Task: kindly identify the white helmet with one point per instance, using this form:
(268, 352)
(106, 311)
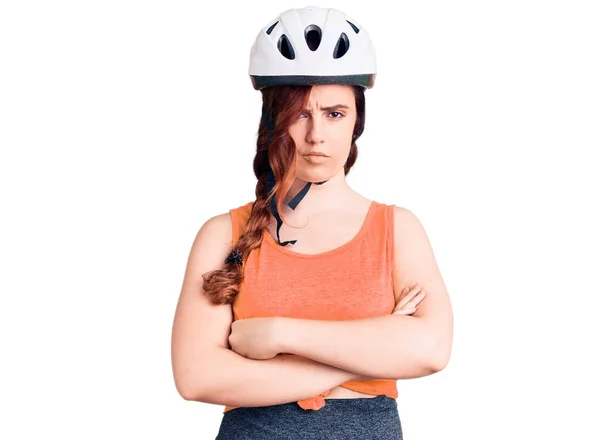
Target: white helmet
(312, 46)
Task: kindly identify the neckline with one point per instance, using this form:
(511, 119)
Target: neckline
(273, 243)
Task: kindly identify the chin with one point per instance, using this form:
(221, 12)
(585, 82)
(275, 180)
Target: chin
(318, 172)
(314, 176)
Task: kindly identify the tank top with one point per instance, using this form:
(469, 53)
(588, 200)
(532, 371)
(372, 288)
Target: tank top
(352, 281)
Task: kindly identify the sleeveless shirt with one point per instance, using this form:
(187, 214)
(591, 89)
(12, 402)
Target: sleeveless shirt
(352, 281)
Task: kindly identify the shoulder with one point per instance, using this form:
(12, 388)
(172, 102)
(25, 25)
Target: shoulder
(410, 236)
(225, 219)
(225, 227)
(414, 260)
(242, 211)
(218, 222)
(410, 240)
(239, 217)
(217, 230)
(405, 220)
(210, 247)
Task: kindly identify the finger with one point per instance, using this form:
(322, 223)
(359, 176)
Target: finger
(406, 311)
(416, 300)
(413, 302)
(405, 299)
(408, 289)
(408, 304)
(409, 295)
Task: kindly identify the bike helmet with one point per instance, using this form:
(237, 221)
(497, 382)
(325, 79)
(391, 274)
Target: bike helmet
(310, 46)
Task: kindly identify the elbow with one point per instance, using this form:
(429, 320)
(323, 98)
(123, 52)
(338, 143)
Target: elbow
(423, 357)
(427, 362)
(440, 355)
(193, 393)
(185, 382)
(204, 380)
(192, 386)
(437, 365)
(188, 393)
(185, 389)
(195, 378)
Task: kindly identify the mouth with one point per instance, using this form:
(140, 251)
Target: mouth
(315, 158)
(316, 155)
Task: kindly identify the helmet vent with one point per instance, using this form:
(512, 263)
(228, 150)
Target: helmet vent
(312, 34)
(285, 47)
(353, 27)
(341, 47)
(271, 28)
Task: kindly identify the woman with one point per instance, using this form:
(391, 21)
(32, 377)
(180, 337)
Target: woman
(302, 331)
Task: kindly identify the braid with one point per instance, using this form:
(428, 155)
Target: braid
(222, 285)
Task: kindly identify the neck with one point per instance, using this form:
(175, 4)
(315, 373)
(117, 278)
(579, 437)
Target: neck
(331, 195)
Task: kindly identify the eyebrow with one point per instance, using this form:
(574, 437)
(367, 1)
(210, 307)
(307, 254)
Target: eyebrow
(330, 108)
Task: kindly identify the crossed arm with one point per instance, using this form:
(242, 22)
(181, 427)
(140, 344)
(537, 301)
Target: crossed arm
(385, 347)
(322, 354)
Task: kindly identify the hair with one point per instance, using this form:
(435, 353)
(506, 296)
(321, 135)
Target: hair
(275, 151)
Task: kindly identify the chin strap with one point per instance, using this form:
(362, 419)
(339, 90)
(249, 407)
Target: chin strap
(292, 203)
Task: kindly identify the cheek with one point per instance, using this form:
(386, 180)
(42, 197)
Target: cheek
(344, 132)
(297, 133)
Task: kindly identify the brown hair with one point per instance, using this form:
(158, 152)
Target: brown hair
(276, 151)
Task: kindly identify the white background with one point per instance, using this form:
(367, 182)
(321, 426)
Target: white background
(124, 125)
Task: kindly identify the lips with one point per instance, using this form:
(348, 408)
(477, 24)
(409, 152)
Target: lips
(316, 154)
(315, 158)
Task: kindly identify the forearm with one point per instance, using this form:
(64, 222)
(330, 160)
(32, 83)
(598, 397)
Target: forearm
(237, 381)
(387, 347)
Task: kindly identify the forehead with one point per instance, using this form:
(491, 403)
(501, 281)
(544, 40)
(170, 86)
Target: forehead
(330, 94)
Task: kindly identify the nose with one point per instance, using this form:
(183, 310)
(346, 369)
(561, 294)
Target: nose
(314, 133)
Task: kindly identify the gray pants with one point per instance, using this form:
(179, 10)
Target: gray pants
(340, 419)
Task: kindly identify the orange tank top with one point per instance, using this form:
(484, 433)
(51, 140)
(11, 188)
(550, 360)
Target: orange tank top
(352, 281)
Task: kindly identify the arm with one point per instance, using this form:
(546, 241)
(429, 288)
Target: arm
(237, 381)
(361, 345)
(204, 367)
(394, 346)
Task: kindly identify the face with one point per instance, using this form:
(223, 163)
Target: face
(325, 127)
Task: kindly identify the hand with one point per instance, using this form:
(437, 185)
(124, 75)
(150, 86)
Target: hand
(409, 298)
(254, 338)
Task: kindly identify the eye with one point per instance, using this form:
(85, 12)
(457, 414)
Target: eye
(339, 115)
